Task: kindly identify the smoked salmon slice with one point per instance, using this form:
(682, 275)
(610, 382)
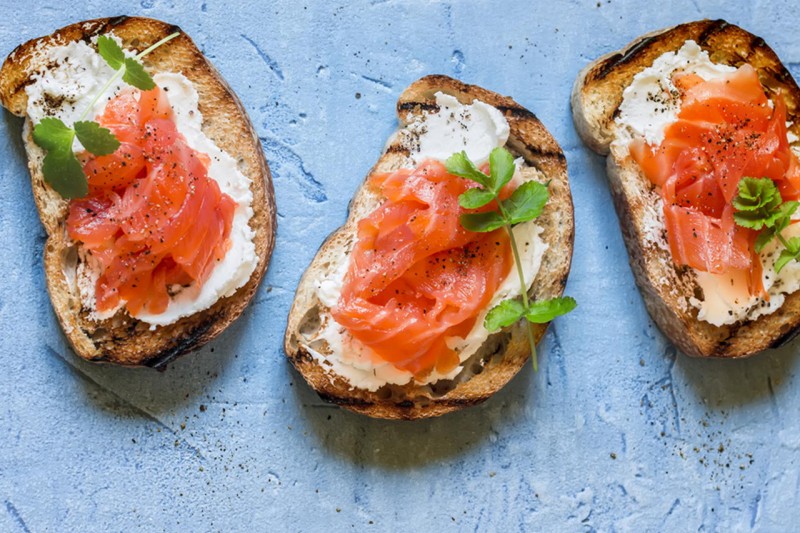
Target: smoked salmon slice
(153, 218)
(416, 276)
(726, 129)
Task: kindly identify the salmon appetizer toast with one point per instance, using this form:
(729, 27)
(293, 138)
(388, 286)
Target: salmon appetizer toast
(699, 123)
(452, 261)
(151, 185)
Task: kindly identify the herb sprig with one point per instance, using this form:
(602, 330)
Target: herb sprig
(61, 167)
(759, 206)
(525, 203)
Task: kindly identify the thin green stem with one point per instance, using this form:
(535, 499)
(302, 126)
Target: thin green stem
(165, 40)
(523, 288)
(782, 240)
(117, 75)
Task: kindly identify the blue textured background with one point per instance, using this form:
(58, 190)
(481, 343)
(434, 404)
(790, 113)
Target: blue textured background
(616, 431)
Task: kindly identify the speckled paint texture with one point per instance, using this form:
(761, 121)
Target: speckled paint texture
(616, 432)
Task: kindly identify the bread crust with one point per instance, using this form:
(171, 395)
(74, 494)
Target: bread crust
(596, 97)
(506, 351)
(121, 339)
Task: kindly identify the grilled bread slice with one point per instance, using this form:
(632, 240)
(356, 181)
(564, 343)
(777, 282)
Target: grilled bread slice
(596, 97)
(504, 352)
(122, 339)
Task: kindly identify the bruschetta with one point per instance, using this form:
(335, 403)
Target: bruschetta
(158, 244)
(388, 320)
(699, 125)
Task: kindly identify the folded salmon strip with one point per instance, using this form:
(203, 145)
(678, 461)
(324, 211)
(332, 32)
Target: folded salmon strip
(416, 276)
(153, 216)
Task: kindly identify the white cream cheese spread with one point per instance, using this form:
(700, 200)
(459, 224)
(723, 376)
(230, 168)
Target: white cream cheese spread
(476, 128)
(76, 72)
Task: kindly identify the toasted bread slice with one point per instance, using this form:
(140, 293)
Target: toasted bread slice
(122, 339)
(505, 352)
(596, 97)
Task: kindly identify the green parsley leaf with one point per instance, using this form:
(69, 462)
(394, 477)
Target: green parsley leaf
(96, 139)
(527, 202)
(792, 252)
(52, 134)
(787, 210)
(460, 165)
(781, 223)
(111, 52)
(64, 173)
(543, 311)
(475, 198)
(757, 204)
(764, 238)
(754, 193)
(136, 75)
(504, 314)
(793, 245)
(482, 222)
(501, 168)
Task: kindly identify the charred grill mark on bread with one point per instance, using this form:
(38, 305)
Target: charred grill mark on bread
(712, 27)
(417, 107)
(116, 21)
(621, 59)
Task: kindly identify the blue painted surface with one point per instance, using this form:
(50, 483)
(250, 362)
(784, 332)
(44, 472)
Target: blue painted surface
(616, 431)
